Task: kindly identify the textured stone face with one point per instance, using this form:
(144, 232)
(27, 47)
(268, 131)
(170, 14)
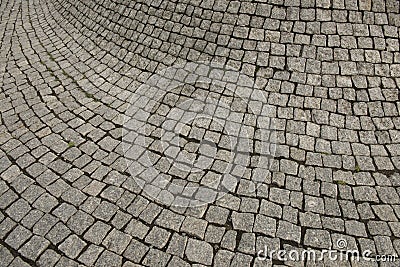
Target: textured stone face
(322, 81)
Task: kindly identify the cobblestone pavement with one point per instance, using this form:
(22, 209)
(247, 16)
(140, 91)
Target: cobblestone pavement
(330, 71)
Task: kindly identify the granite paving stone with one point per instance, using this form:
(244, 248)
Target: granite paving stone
(116, 241)
(34, 247)
(195, 133)
(72, 246)
(199, 251)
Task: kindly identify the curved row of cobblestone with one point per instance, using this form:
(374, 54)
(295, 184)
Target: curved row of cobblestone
(69, 69)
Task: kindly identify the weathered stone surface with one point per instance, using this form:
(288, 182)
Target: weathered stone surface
(118, 149)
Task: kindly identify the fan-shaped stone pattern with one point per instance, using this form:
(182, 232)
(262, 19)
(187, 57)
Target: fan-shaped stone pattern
(331, 73)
